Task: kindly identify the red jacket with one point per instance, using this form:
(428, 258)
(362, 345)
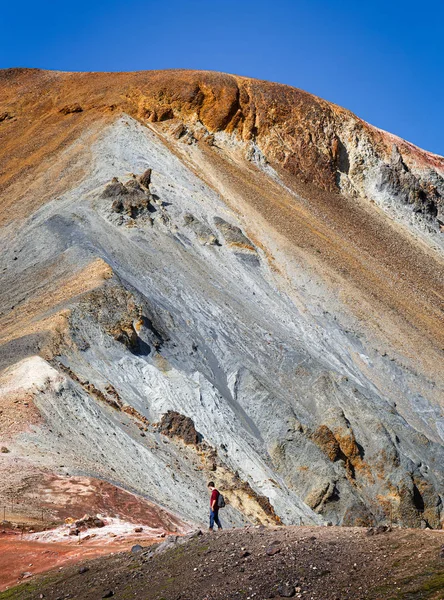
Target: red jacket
(214, 497)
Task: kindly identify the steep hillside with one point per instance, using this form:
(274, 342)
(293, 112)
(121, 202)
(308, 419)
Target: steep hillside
(207, 276)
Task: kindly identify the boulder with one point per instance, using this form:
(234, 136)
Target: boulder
(193, 535)
(173, 424)
(5, 523)
(89, 521)
(233, 235)
(145, 178)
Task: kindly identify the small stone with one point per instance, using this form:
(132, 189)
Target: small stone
(138, 529)
(272, 550)
(136, 549)
(178, 131)
(5, 116)
(71, 108)
(4, 450)
(286, 590)
(188, 219)
(108, 594)
(83, 570)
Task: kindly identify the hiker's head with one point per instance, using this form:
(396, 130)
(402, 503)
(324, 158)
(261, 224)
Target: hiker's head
(211, 485)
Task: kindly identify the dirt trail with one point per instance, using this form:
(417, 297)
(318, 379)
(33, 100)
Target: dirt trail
(301, 562)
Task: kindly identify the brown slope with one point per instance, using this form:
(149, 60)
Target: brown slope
(295, 129)
(298, 133)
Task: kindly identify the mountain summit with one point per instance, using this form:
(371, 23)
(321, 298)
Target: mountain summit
(207, 276)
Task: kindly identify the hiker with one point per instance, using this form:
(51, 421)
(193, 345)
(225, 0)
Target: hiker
(214, 506)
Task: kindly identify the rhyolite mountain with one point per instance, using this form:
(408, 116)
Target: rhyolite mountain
(209, 276)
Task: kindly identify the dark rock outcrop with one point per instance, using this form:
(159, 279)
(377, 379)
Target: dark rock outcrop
(132, 198)
(173, 424)
(397, 180)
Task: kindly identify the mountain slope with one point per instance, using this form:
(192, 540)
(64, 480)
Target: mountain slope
(237, 252)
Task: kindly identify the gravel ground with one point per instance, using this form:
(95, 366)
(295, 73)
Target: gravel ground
(303, 562)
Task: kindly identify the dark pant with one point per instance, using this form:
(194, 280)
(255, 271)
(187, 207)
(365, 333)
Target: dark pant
(214, 518)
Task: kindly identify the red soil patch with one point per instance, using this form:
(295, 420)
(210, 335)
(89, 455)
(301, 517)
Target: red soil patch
(72, 497)
(19, 556)
(75, 496)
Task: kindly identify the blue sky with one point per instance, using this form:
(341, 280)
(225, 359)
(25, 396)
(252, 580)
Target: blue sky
(384, 60)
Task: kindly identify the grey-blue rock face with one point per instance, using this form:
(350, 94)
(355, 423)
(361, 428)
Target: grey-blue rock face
(170, 334)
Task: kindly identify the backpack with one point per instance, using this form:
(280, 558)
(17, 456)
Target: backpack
(220, 501)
